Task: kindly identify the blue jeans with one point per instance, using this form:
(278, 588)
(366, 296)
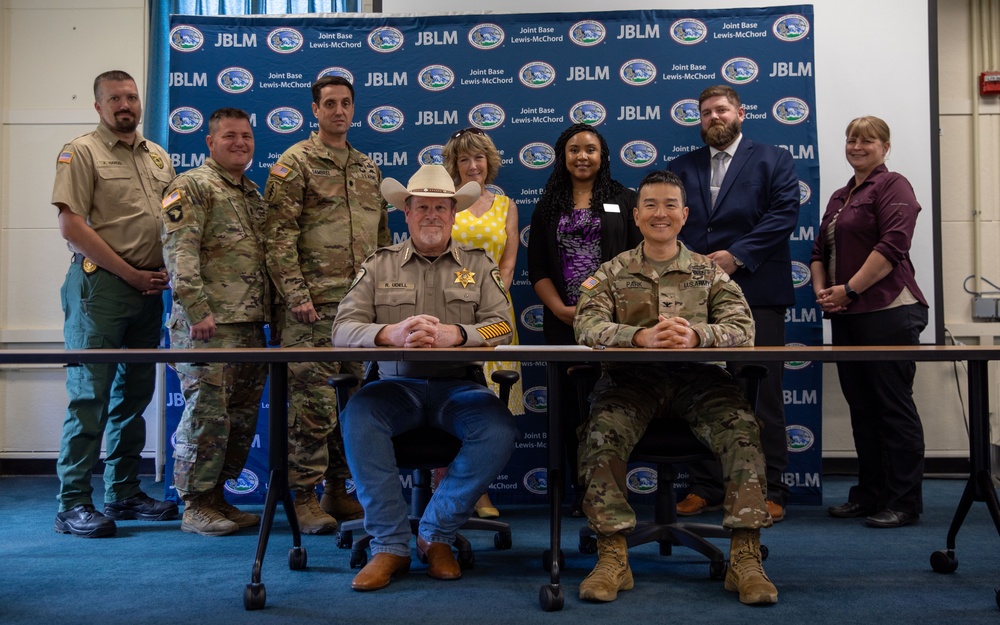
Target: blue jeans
(384, 408)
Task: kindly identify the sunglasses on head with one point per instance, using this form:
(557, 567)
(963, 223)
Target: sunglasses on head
(473, 130)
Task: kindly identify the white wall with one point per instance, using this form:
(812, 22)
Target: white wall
(50, 51)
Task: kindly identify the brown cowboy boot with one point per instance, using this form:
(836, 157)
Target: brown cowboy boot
(746, 573)
(612, 572)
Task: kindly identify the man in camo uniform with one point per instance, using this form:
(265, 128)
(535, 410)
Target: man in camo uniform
(325, 216)
(662, 295)
(212, 221)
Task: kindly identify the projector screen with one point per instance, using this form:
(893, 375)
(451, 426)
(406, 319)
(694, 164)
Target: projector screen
(871, 58)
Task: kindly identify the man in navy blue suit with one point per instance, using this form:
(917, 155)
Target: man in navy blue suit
(743, 198)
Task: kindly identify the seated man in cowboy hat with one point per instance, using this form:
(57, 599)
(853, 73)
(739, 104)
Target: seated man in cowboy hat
(425, 292)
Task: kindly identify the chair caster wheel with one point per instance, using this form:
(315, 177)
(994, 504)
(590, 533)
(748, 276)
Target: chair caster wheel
(502, 540)
(254, 597)
(359, 559)
(467, 560)
(588, 544)
(345, 540)
(717, 570)
(297, 558)
(944, 561)
(550, 597)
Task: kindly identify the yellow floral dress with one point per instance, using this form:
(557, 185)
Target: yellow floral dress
(489, 232)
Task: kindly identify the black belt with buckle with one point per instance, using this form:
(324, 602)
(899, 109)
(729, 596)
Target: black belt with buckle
(90, 266)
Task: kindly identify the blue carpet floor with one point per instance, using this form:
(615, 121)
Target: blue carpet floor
(826, 570)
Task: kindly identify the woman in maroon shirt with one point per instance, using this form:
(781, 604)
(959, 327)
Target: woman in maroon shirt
(864, 281)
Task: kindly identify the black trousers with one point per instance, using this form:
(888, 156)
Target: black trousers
(706, 476)
(888, 435)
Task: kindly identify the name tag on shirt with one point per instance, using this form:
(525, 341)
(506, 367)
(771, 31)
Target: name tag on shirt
(611, 208)
(396, 285)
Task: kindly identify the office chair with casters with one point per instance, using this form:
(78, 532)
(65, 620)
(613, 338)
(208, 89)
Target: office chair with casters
(423, 450)
(666, 443)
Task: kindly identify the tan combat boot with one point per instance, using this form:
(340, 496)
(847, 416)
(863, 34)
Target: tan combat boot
(338, 503)
(231, 512)
(201, 517)
(612, 572)
(746, 573)
(312, 520)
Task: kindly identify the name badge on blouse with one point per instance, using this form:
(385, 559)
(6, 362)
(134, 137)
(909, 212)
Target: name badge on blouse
(611, 208)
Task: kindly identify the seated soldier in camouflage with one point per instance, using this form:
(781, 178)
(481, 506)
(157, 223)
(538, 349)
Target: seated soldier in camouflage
(662, 295)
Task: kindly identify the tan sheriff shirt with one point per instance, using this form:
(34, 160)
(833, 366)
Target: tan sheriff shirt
(462, 286)
(117, 188)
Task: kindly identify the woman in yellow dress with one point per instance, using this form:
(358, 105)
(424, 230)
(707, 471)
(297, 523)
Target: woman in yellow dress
(490, 223)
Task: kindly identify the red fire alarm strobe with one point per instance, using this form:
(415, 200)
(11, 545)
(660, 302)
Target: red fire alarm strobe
(989, 83)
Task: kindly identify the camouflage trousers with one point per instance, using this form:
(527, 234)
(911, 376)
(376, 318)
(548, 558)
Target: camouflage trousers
(624, 402)
(221, 402)
(315, 444)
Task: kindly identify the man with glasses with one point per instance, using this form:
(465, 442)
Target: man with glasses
(325, 216)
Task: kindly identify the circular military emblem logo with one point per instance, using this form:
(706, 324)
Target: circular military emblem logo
(431, 155)
(186, 38)
(800, 274)
(805, 192)
(525, 233)
(791, 27)
(637, 72)
(537, 481)
(486, 116)
(799, 438)
(385, 119)
(587, 33)
(537, 74)
(486, 36)
(685, 112)
(740, 70)
(796, 364)
(531, 317)
(536, 399)
(495, 190)
(385, 39)
(588, 112)
(284, 40)
(536, 155)
(641, 480)
(638, 153)
(185, 120)
(284, 120)
(235, 80)
(436, 77)
(790, 111)
(245, 484)
(350, 485)
(337, 71)
(688, 31)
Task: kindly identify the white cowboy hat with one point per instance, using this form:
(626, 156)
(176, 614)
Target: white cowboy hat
(430, 181)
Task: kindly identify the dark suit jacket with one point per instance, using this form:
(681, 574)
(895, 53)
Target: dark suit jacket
(756, 212)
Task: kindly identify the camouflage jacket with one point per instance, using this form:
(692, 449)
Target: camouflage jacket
(626, 294)
(213, 248)
(324, 218)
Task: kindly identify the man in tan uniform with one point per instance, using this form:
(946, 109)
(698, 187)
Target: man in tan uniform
(108, 187)
(213, 216)
(425, 292)
(325, 216)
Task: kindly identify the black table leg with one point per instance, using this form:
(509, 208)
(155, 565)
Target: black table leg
(550, 596)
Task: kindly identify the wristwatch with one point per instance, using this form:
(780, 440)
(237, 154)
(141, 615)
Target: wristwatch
(851, 293)
(465, 336)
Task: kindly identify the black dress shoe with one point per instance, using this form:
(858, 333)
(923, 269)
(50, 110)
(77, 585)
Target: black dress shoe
(891, 518)
(142, 507)
(85, 521)
(849, 510)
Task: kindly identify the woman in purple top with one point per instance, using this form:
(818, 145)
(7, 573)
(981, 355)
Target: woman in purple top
(583, 218)
(864, 281)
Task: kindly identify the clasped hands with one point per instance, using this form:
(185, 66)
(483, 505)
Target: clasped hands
(668, 333)
(419, 331)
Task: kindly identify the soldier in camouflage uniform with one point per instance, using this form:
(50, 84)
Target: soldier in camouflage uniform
(325, 216)
(212, 221)
(662, 295)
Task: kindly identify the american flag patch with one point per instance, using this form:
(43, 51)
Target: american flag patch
(65, 157)
(173, 197)
(280, 170)
(590, 283)
(494, 330)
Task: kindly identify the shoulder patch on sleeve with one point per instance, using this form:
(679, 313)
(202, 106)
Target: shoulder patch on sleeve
(280, 170)
(357, 278)
(172, 206)
(590, 283)
(494, 330)
(495, 274)
(65, 156)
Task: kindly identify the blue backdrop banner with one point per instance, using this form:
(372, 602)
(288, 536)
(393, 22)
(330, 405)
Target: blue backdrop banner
(523, 78)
